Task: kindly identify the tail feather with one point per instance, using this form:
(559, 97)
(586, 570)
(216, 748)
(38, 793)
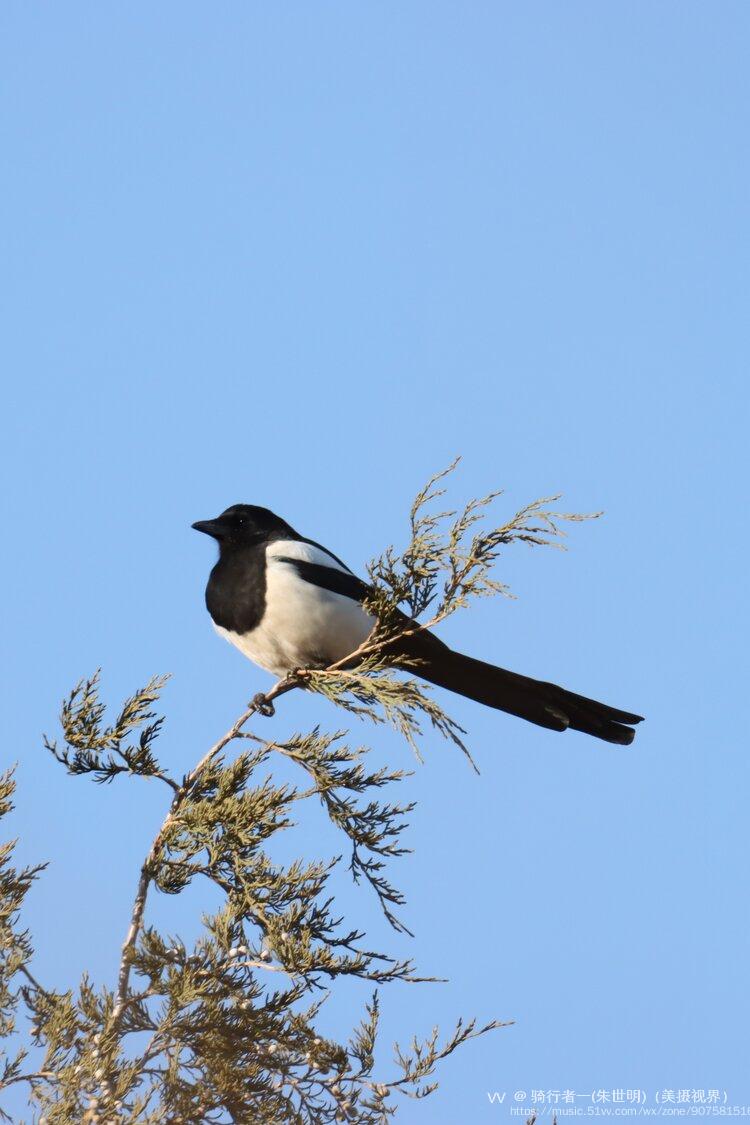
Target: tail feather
(538, 702)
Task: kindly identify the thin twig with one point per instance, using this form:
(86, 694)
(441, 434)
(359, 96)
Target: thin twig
(32, 980)
(37, 1077)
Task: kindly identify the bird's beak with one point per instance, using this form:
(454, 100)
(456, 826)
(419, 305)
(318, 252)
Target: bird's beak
(209, 527)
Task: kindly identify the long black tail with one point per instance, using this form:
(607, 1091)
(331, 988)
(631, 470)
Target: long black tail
(545, 704)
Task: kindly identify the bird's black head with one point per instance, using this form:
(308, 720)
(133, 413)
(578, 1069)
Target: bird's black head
(244, 525)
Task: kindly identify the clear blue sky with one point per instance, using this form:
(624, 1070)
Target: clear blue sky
(301, 255)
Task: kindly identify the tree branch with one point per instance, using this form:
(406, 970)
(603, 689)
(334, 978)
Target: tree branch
(281, 687)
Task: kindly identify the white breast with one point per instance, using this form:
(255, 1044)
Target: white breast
(303, 625)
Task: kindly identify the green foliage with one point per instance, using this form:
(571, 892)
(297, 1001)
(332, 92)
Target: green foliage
(103, 751)
(449, 557)
(15, 947)
(227, 1030)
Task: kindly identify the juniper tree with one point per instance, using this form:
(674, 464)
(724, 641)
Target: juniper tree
(226, 1029)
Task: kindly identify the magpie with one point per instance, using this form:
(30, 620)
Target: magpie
(286, 602)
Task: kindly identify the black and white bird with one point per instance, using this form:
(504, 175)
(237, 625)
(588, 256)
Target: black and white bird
(286, 602)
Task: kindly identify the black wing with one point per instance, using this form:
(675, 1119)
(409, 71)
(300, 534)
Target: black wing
(329, 578)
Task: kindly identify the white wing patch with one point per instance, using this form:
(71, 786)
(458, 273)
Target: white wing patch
(303, 625)
(307, 552)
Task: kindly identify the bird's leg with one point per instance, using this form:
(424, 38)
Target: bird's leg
(263, 705)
